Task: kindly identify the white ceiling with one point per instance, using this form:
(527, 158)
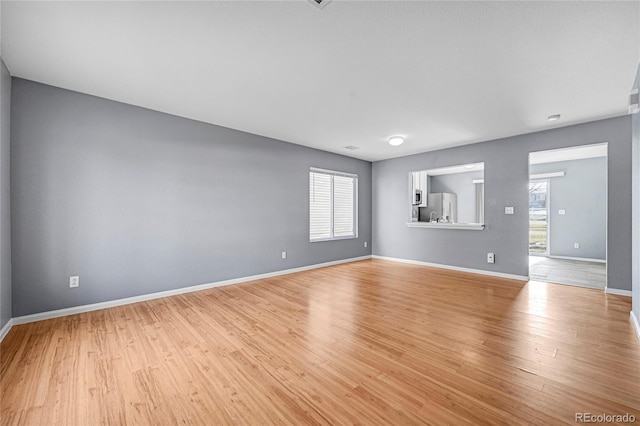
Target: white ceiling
(354, 73)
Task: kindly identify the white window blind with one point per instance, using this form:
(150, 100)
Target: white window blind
(332, 205)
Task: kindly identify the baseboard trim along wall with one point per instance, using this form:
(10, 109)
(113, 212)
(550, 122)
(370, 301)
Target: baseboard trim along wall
(6, 328)
(119, 302)
(635, 323)
(454, 268)
(109, 304)
(618, 292)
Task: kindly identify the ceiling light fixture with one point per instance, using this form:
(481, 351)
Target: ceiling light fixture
(554, 117)
(396, 140)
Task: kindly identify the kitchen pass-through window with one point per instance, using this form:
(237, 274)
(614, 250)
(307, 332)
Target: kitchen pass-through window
(333, 205)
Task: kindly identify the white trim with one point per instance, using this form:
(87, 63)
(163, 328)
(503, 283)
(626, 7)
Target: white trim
(5, 330)
(455, 169)
(583, 259)
(477, 181)
(546, 175)
(454, 268)
(348, 237)
(445, 225)
(111, 303)
(332, 172)
(618, 292)
(354, 179)
(576, 152)
(636, 323)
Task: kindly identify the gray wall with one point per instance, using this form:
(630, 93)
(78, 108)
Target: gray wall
(635, 230)
(462, 185)
(506, 184)
(135, 201)
(5, 210)
(582, 193)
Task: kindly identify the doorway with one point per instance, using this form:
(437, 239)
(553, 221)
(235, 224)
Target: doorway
(568, 216)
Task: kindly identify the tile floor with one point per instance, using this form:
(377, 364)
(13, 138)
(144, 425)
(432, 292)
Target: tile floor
(572, 272)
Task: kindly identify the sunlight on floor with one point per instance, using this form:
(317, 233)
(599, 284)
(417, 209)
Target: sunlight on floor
(537, 299)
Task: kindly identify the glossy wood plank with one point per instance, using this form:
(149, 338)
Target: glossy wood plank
(372, 342)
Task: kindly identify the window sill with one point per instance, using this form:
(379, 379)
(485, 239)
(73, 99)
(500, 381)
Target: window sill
(468, 226)
(317, 240)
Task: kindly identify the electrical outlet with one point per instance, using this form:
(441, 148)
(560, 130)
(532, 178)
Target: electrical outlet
(491, 258)
(74, 282)
(562, 212)
(365, 244)
(284, 254)
(508, 210)
(576, 245)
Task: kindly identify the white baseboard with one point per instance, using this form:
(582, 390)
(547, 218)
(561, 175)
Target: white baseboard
(581, 259)
(636, 323)
(6, 328)
(111, 303)
(618, 292)
(454, 268)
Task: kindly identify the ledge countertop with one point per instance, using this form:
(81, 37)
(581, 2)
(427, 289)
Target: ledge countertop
(440, 225)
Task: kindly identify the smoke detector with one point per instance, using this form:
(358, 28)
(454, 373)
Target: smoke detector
(320, 4)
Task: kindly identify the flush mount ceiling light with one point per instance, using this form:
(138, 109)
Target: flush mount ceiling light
(396, 140)
(554, 117)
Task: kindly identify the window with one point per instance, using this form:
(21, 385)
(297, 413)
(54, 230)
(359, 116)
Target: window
(333, 206)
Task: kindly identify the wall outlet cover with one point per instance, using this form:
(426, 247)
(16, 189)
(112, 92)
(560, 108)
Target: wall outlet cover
(562, 212)
(74, 282)
(508, 210)
(491, 258)
(284, 254)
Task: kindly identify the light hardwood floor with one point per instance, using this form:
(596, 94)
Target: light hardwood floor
(372, 342)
